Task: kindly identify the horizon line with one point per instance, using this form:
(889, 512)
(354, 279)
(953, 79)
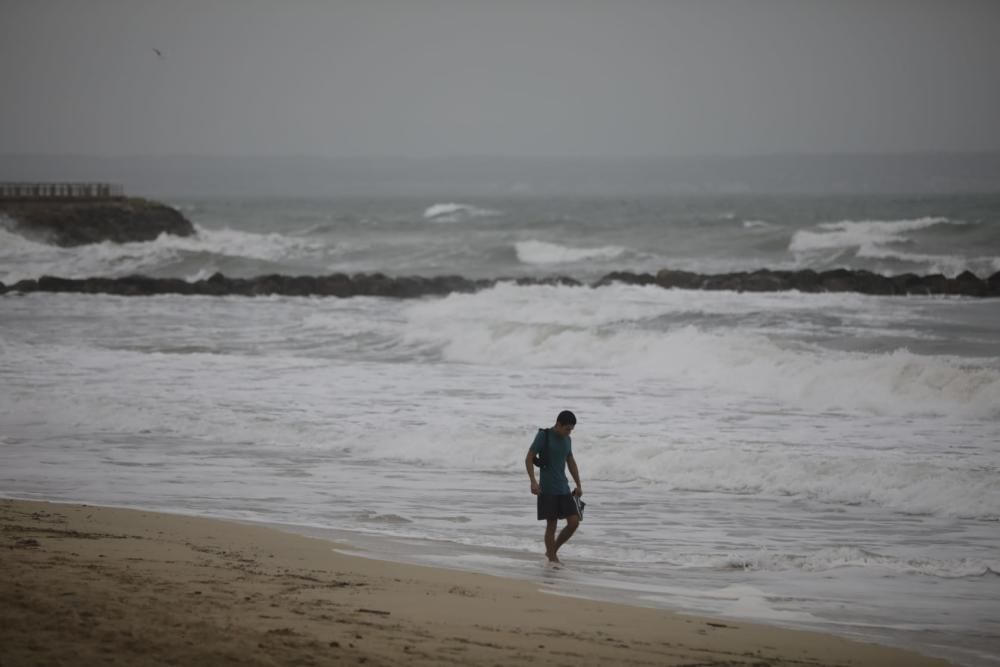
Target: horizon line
(495, 156)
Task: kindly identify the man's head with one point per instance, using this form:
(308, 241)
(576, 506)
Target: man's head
(565, 422)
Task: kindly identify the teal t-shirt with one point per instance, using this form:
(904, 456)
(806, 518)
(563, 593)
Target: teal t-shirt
(552, 478)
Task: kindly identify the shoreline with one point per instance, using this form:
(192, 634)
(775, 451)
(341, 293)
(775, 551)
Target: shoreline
(89, 583)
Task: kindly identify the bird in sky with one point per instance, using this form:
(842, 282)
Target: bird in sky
(159, 54)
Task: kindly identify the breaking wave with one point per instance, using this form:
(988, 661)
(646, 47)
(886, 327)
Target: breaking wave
(22, 258)
(865, 235)
(887, 241)
(567, 327)
(541, 252)
(454, 212)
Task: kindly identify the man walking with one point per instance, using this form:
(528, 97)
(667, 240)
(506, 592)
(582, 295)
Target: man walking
(555, 449)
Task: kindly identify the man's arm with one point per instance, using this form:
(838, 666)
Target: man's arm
(529, 463)
(575, 472)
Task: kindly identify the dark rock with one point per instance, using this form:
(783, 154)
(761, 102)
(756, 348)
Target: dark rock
(933, 284)
(993, 284)
(53, 284)
(407, 287)
(837, 280)
(447, 284)
(967, 283)
(24, 286)
(867, 282)
(549, 280)
(806, 280)
(905, 283)
(217, 285)
(138, 285)
(724, 281)
(680, 279)
(72, 223)
(766, 281)
(626, 277)
(337, 284)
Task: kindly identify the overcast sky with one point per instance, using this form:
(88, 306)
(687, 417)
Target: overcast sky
(504, 77)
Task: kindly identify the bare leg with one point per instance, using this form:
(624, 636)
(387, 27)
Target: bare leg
(550, 540)
(572, 522)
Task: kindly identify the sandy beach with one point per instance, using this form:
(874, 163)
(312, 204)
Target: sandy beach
(87, 585)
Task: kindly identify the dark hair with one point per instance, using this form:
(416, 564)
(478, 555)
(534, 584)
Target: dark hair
(566, 417)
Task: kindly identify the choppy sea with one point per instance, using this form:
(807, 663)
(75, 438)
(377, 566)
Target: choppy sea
(826, 461)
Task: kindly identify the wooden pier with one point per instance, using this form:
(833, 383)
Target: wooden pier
(60, 191)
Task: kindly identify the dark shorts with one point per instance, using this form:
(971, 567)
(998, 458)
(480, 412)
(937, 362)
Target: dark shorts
(556, 507)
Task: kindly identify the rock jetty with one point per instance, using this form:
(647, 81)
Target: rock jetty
(79, 222)
(378, 284)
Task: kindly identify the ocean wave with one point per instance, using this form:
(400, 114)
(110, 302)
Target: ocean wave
(455, 212)
(943, 264)
(935, 487)
(566, 327)
(541, 252)
(885, 241)
(861, 234)
(849, 475)
(22, 258)
(756, 224)
(316, 229)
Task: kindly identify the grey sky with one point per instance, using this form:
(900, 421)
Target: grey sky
(506, 77)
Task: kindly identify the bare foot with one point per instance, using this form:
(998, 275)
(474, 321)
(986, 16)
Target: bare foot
(552, 557)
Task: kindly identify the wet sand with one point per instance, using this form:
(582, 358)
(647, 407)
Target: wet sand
(85, 585)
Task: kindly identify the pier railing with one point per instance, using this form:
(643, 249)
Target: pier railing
(64, 191)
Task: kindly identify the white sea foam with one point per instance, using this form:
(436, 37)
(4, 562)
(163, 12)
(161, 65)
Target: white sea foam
(284, 407)
(882, 240)
(541, 252)
(832, 558)
(756, 224)
(21, 258)
(573, 328)
(455, 212)
(868, 477)
(862, 234)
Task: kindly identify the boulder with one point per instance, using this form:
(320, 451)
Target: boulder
(626, 277)
(993, 284)
(967, 283)
(806, 280)
(766, 281)
(935, 283)
(837, 280)
(681, 279)
(867, 282)
(905, 283)
(24, 286)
